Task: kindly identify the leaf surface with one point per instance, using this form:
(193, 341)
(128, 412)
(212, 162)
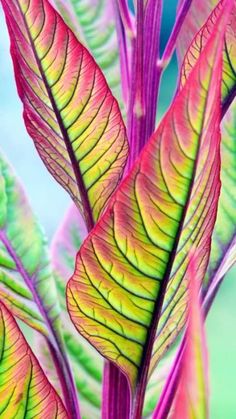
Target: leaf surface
(25, 391)
(172, 319)
(26, 282)
(225, 227)
(191, 399)
(86, 363)
(167, 202)
(69, 111)
(196, 17)
(94, 22)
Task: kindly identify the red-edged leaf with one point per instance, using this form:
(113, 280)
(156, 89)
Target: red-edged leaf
(69, 110)
(172, 319)
(191, 42)
(25, 391)
(142, 243)
(192, 393)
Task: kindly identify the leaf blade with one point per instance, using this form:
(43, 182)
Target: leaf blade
(192, 391)
(199, 31)
(97, 17)
(26, 282)
(25, 389)
(118, 268)
(69, 110)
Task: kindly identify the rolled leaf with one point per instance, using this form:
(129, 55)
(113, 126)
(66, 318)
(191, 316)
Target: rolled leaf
(25, 391)
(94, 22)
(26, 282)
(167, 202)
(191, 26)
(69, 110)
(191, 399)
(86, 363)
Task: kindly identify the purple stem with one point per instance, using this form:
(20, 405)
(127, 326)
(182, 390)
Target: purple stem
(145, 76)
(126, 17)
(167, 396)
(171, 44)
(56, 349)
(116, 394)
(123, 52)
(152, 74)
(136, 112)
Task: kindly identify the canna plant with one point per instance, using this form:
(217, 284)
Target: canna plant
(135, 265)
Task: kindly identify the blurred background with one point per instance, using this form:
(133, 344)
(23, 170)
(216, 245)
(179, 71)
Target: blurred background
(50, 202)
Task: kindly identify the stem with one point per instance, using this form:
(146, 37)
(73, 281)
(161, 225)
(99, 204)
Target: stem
(123, 52)
(171, 44)
(136, 110)
(152, 31)
(145, 76)
(115, 395)
(167, 396)
(65, 377)
(126, 17)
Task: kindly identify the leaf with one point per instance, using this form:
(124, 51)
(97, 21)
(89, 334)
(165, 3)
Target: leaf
(69, 110)
(172, 320)
(167, 202)
(96, 29)
(26, 282)
(25, 390)
(86, 363)
(223, 249)
(194, 50)
(225, 227)
(192, 391)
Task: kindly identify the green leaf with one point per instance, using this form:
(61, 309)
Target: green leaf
(86, 363)
(25, 391)
(27, 285)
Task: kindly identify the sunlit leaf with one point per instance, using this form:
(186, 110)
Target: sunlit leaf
(69, 110)
(86, 363)
(191, 399)
(96, 29)
(196, 17)
(173, 316)
(25, 391)
(26, 282)
(142, 242)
